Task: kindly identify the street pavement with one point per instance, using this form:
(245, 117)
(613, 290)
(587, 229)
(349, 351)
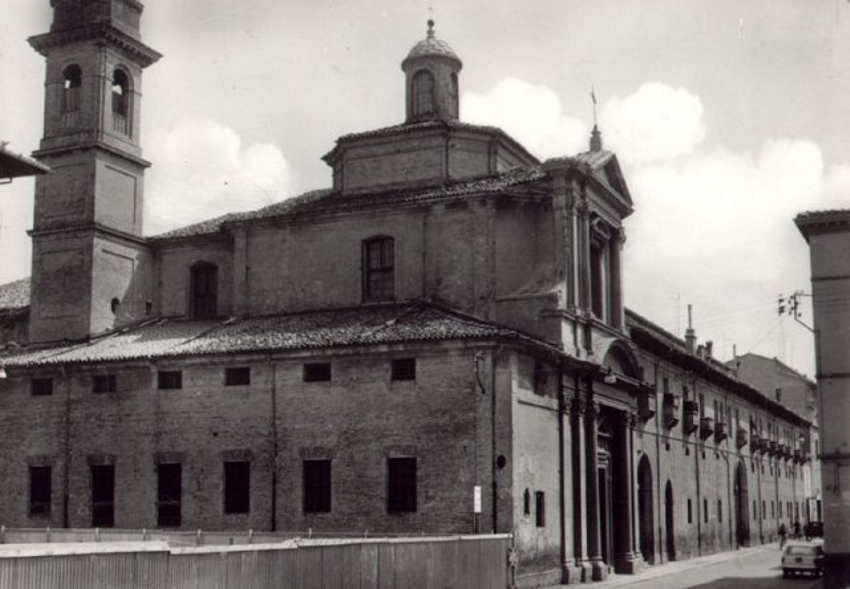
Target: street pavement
(749, 568)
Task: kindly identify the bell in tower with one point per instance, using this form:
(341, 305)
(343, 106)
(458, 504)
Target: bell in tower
(88, 248)
(431, 70)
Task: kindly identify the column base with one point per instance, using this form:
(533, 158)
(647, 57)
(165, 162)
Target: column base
(836, 571)
(598, 569)
(628, 563)
(574, 572)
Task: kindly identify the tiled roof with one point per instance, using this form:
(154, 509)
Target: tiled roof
(404, 128)
(15, 295)
(822, 221)
(430, 45)
(14, 165)
(326, 201)
(365, 325)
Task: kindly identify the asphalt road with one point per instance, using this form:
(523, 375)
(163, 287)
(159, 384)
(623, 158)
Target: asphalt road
(746, 569)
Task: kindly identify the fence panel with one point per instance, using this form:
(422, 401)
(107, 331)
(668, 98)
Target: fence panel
(386, 563)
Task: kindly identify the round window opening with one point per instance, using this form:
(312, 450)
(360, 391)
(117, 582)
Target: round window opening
(116, 303)
(501, 461)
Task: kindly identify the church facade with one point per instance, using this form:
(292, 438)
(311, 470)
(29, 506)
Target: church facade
(436, 343)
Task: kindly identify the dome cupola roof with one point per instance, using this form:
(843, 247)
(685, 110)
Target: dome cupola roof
(430, 46)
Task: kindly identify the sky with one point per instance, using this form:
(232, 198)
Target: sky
(728, 119)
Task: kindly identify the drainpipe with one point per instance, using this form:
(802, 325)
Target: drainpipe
(561, 467)
(493, 465)
(66, 484)
(696, 462)
(273, 392)
(658, 426)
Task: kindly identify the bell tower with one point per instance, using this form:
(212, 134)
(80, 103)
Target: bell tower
(89, 258)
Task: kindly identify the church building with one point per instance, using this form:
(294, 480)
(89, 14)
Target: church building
(436, 343)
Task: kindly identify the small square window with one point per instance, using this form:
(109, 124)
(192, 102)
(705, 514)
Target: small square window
(170, 379)
(104, 383)
(404, 369)
(42, 387)
(237, 376)
(317, 372)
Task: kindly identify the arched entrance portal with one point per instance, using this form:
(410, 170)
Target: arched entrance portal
(645, 516)
(669, 522)
(742, 513)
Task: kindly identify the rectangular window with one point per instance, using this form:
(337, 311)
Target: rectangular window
(720, 510)
(102, 496)
(690, 512)
(378, 269)
(104, 383)
(526, 502)
(401, 485)
(778, 394)
(705, 510)
(763, 509)
(169, 494)
(772, 509)
(317, 486)
(755, 508)
(237, 487)
(404, 369)
(237, 376)
(169, 379)
(317, 372)
(540, 509)
(42, 387)
(41, 485)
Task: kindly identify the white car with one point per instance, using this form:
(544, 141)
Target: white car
(802, 557)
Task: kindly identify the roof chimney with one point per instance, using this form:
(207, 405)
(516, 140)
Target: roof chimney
(690, 334)
(709, 352)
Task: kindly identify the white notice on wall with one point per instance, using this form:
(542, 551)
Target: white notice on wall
(476, 499)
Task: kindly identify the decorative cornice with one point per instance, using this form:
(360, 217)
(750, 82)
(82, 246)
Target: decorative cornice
(130, 47)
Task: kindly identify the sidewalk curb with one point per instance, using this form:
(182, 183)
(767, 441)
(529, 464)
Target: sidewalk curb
(678, 566)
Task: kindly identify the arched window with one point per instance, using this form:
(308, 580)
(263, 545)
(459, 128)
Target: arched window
(121, 101)
(378, 265)
(204, 291)
(423, 94)
(72, 80)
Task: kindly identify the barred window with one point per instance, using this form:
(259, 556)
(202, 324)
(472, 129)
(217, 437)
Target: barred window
(404, 369)
(105, 383)
(170, 379)
(317, 372)
(42, 387)
(237, 376)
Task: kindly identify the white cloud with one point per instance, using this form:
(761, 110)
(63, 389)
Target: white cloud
(530, 114)
(656, 122)
(202, 169)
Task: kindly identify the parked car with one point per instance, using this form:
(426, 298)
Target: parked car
(813, 530)
(802, 557)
